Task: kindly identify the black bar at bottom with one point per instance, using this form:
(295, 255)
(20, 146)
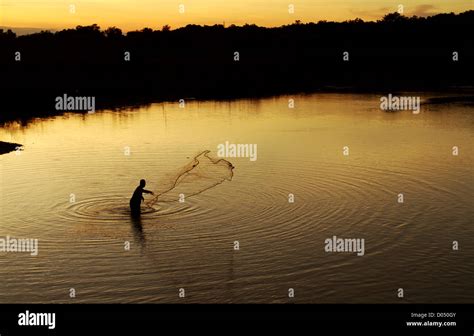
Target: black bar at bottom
(413, 319)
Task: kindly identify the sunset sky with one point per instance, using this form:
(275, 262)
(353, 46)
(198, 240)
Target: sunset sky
(133, 14)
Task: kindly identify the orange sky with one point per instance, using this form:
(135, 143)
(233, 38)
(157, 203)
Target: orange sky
(136, 14)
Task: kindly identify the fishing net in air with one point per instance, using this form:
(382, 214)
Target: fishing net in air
(202, 173)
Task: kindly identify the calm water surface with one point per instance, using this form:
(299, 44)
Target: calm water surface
(190, 245)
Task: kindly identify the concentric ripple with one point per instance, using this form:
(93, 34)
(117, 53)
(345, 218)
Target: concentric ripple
(113, 208)
(191, 244)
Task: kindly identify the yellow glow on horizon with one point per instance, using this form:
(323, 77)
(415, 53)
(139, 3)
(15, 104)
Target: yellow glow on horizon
(132, 15)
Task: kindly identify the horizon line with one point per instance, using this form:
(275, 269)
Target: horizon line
(33, 30)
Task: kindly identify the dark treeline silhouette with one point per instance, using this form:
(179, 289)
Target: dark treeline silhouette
(394, 53)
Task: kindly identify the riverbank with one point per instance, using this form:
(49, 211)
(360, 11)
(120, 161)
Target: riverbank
(41, 103)
(7, 147)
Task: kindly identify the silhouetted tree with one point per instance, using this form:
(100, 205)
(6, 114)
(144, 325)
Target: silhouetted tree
(113, 32)
(198, 61)
(394, 17)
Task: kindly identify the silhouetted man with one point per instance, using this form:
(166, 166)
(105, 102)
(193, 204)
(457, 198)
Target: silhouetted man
(137, 197)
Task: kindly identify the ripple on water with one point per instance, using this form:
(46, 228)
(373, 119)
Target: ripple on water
(102, 216)
(329, 200)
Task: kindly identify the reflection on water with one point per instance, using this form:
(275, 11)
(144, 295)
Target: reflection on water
(281, 244)
(138, 229)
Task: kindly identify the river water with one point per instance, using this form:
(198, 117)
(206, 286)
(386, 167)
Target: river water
(69, 188)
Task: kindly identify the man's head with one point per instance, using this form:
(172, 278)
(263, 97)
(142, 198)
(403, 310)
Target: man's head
(142, 183)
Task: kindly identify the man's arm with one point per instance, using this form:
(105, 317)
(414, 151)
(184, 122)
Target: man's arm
(148, 192)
